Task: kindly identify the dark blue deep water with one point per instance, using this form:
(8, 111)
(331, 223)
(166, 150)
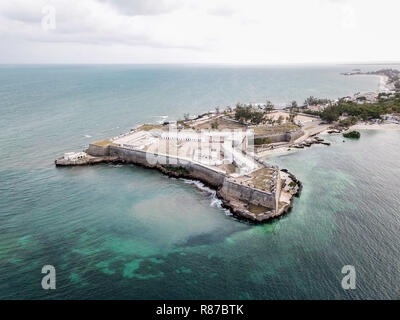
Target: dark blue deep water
(124, 232)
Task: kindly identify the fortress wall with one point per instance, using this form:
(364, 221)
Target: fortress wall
(228, 190)
(197, 171)
(98, 151)
(278, 189)
(232, 191)
(210, 176)
(294, 135)
(282, 137)
(278, 137)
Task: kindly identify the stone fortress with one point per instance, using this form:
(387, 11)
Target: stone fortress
(223, 159)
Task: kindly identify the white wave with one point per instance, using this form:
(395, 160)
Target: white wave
(87, 136)
(162, 119)
(215, 201)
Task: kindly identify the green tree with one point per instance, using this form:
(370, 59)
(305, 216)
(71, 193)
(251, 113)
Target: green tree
(257, 117)
(330, 115)
(293, 111)
(214, 125)
(312, 101)
(243, 113)
(269, 107)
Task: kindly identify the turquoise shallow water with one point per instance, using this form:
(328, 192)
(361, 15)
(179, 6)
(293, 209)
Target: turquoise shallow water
(126, 232)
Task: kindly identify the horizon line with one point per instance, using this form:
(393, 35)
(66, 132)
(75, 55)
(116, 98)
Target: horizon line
(203, 63)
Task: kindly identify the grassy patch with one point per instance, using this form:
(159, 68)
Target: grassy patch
(104, 143)
(261, 141)
(276, 129)
(257, 209)
(262, 178)
(179, 169)
(292, 184)
(148, 127)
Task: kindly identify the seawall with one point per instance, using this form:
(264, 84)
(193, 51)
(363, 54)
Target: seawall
(239, 198)
(235, 196)
(197, 171)
(282, 137)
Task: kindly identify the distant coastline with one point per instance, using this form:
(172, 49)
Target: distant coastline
(248, 186)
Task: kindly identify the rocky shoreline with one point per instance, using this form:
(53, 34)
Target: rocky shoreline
(238, 209)
(309, 142)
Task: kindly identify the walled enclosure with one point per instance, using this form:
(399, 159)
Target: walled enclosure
(282, 137)
(232, 191)
(98, 151)
(212, 177)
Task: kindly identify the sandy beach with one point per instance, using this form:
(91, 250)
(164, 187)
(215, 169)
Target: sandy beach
(376, 126)
(314, 127)
(322, 130)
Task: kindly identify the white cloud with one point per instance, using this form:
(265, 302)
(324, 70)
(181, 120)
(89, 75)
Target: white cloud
(220, 31)
(144, 7)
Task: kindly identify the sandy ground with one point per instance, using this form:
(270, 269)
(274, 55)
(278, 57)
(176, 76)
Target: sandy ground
(314, 127)
(323, 130)
(276, 114)
(376, 126)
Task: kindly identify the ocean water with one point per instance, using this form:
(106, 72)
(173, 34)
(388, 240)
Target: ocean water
(125, 232)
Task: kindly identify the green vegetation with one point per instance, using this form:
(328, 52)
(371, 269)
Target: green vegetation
(293, 111)
(276, 129)
(261, 179)
(349, 121)
(257, 209)
(179, 169)
(387, 105)
(330, 114)
(352, 135)
(257, 117)
(147, 127)
(292, 184)
(104, 143)
(260, 141)
(214, 125)
(269, 107)
(312, 101)
(248, 114)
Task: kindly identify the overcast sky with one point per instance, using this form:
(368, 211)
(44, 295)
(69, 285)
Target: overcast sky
(199, 31)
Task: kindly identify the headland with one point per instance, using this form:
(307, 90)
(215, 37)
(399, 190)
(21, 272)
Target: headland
(226, 149)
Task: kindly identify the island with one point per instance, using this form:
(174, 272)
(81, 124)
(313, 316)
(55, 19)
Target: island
(226, 150)
(217, 148)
